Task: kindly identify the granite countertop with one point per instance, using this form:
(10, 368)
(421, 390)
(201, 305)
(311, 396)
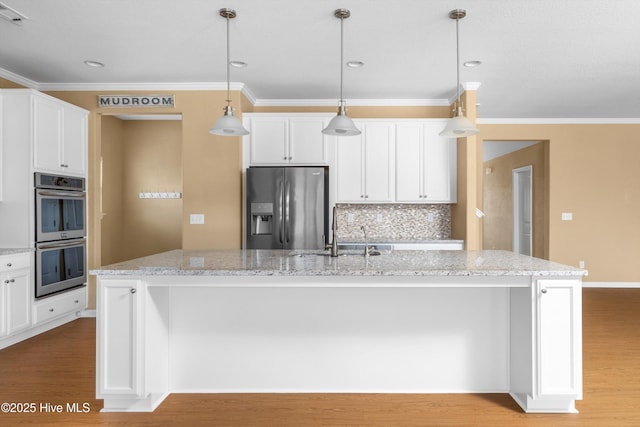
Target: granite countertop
(11, 251)
(350, 263)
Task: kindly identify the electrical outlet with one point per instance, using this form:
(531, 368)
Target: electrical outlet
(430, 217)
(567, 216)
(581, 264)
(350, 218)
(379, 217)
(196, 219)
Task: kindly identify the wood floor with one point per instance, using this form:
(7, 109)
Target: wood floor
(59, 368)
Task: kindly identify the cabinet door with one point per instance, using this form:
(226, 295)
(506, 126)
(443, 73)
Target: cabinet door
(47, 134)
(119, 348)
(379, 162)
(74, 142)
(437, 165)
(350, 168)
(409, 162)
(268, 140)
(307, 143)
(559, 339)
(17, 286)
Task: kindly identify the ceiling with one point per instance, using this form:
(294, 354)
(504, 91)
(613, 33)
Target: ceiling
(540, 59)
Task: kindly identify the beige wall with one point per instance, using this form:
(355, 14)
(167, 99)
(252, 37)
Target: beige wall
(498, 199)
(112, 187)
(152, 162)
(594, 174)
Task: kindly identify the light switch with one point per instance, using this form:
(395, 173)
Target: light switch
(567, 216)
(196, 219)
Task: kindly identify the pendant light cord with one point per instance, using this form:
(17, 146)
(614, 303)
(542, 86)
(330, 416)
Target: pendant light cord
(458, 64)
(228, 81)
(341, 58)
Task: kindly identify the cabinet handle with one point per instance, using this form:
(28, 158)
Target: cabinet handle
(284, 158)
(76, 301)
(543, 290)
(9, 281)
(362, 196)
(290, 158)
(9, 264)
(133, 291)
(51, 310)
(366, 196)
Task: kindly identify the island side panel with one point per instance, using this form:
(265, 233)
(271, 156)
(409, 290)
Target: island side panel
(339, 339)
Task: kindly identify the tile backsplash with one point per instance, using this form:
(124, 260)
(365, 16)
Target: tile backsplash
(388, 222)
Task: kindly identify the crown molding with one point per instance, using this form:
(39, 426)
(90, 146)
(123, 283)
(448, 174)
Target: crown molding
(139, 86)
(352, 102)
(18, 79)
(559, 121)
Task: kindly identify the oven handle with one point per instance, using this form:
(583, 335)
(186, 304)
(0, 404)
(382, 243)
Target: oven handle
(61, 193)
(61, 245)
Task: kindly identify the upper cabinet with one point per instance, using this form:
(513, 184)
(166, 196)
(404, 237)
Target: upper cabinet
(391, 161)
(365, 164)
(48, 133)
(425, 163)
(59, 137)
(286, 139)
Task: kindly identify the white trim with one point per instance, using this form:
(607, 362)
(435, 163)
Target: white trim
(149, 116)
(352, 102)
(139, 86)
(515, 182)
(560, 121)
(88, 313)
(18, 79)
(611, 285)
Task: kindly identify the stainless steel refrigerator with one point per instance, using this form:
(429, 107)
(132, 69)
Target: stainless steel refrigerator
(287, 207)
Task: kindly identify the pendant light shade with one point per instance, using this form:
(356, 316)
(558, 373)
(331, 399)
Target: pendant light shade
(341, 124)
(228, 124)
(458, 126)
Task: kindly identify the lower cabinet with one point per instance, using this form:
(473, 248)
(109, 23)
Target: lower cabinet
(15, 293)
(59, 305)
(119, 323)
(558, 359)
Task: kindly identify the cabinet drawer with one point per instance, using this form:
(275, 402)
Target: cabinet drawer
(15, 262)
(59, 305)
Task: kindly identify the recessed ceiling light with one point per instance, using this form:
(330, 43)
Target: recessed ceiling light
(472, 64)
(94, 64)
(355, 64)
(238, 64)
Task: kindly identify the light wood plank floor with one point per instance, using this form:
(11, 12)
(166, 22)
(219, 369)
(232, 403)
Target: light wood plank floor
(59, 368)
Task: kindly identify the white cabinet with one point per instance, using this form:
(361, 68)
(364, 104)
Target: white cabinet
(59, 137)
(120, 343)
(365, 164)
(286, 139)
(59, 305)
(15, 293)
(558, 358)
(425, 163)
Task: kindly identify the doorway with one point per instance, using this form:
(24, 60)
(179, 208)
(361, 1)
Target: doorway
(522, 181)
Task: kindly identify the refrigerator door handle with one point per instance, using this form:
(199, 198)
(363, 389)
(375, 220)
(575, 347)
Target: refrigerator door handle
(280, 213)
(287, 208)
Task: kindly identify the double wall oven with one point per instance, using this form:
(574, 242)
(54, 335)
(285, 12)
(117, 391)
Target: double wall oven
(60, 221)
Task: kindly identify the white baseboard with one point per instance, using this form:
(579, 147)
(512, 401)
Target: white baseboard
(87, 313)
(611, 285)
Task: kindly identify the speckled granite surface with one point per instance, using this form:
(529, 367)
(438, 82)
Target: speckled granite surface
(318, 263)
(11, 251)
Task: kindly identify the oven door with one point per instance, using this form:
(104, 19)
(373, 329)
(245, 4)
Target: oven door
(60, 215)
(60, 266)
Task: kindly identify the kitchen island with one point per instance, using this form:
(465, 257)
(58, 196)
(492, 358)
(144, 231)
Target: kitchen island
(301, 321)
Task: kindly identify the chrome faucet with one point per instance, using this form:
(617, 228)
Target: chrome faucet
(366, 245)
(334, 236)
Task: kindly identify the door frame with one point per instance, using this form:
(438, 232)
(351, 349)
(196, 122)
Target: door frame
(517, 195)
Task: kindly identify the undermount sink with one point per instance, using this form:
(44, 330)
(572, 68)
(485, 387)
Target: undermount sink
(347, 250)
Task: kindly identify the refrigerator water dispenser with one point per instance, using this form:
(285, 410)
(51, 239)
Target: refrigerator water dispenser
(261, 218)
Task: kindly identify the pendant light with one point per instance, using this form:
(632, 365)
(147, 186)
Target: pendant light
(228, 124)
(341, 125)
(458, 126)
